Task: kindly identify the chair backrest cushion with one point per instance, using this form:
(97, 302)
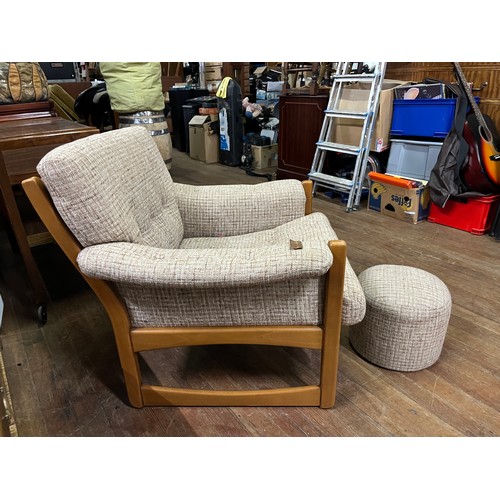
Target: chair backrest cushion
(113, 187)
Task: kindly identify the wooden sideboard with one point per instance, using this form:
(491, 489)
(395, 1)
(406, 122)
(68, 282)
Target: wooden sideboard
(301, 118)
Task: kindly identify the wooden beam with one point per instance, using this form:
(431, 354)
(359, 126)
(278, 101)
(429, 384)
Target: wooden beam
(290, 396)
(308, 337)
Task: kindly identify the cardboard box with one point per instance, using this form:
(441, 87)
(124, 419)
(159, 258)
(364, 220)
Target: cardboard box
(410, 205)
(355, 98)
(265, 156)
(268, 74)
(421, 91)
(203, 143)
(259, 71)
(213, 73)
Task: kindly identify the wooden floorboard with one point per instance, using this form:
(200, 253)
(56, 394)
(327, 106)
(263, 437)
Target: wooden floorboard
(65, 379)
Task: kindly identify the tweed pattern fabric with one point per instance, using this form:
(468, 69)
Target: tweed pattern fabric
(203, 267)
(114, 187)
(292, 302)
(214, 211)
(262, 257)
(308, 228)
(233, 263)
(407, 316)
(233, 267)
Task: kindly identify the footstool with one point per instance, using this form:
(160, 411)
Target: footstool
(407, 315)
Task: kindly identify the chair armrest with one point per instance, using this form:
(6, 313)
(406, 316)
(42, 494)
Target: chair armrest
(203, 268)
(229, 210)
(354, 305)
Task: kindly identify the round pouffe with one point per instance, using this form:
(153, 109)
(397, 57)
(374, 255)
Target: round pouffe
(407, 316)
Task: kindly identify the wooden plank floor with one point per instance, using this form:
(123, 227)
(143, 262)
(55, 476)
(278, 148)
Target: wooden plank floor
(65, 379)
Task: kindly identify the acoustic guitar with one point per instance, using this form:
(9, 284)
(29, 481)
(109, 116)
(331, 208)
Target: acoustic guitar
(481, 170)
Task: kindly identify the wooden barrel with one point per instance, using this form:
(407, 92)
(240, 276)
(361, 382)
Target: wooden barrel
(156, 123)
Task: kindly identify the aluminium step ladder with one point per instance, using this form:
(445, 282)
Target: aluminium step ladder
(354, 186)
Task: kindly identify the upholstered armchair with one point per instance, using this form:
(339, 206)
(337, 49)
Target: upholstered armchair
(180, 265)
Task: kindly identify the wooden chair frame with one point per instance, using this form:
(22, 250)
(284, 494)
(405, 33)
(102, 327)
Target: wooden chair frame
(130, 341)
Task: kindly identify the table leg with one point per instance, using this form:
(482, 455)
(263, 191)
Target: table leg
(37, 283)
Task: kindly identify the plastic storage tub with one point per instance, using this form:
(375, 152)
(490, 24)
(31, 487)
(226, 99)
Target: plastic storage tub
(474, 215)
(412, 159)
(430, 118)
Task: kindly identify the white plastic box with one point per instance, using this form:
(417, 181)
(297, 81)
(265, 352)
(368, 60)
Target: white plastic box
(412, 159)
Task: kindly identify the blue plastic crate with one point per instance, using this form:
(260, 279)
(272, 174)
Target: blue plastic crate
(430, 118)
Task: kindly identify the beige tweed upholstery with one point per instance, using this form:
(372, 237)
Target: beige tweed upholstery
(215, 211)
(101, 203)
(189, 255)
(407, 315)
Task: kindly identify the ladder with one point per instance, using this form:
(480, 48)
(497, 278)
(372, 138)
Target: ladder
(354, 186)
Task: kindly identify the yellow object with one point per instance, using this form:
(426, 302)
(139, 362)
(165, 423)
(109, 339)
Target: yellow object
(377, 189)
(133, 86)
(222, 90)
(64, 104)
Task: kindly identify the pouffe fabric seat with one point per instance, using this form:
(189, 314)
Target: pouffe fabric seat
(407, 316)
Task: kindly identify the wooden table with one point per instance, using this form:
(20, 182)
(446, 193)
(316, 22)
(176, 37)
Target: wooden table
(23, 142)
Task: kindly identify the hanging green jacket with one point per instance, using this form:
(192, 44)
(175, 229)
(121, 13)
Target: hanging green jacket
(133, 86)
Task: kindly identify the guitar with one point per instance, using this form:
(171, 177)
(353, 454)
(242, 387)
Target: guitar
(481, 170)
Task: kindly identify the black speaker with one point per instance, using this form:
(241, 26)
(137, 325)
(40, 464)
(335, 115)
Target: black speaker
(231, 125)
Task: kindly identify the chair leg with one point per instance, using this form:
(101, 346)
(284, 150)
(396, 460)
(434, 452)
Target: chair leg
(332, 323)
(128, 360)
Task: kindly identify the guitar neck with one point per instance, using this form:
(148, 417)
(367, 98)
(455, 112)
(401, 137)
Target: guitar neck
(465, 86)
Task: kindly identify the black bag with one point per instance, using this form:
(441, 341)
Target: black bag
(94, 106)
(445, 180)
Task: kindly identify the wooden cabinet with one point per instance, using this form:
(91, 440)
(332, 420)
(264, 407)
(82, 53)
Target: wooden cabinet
(301, 118)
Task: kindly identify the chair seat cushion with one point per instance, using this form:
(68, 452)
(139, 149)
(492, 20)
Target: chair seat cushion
(238, 263)
(310, 227)
(292, 301)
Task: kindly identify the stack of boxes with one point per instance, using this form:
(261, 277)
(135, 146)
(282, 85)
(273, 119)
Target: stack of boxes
(213, 75)
(204, 138)
(422, 116)
(421, 119)
(354, 98)
(269, 86)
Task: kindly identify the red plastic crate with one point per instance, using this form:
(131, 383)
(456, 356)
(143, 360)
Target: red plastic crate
(474, 215)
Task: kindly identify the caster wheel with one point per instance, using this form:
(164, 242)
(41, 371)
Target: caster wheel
(41, 314)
